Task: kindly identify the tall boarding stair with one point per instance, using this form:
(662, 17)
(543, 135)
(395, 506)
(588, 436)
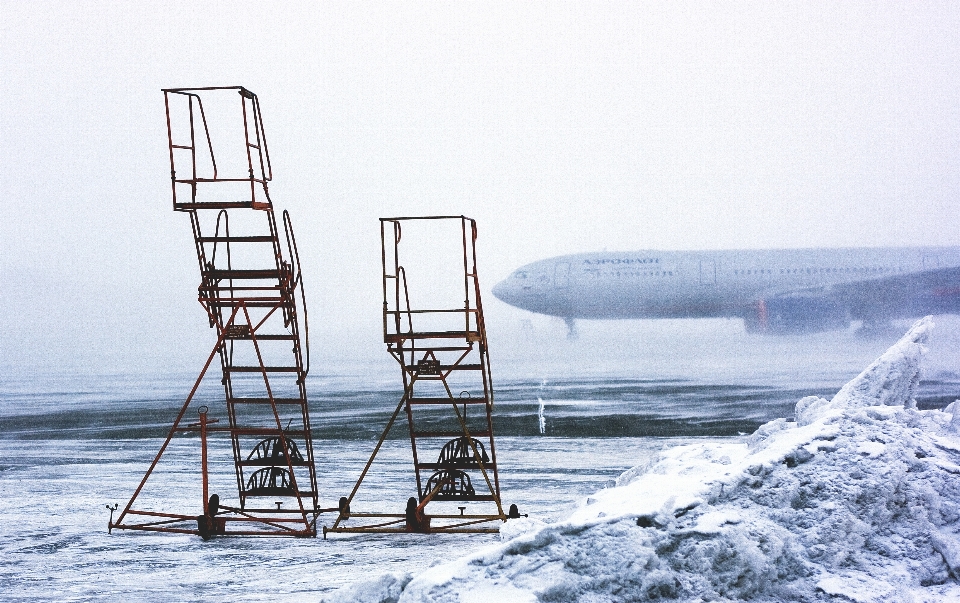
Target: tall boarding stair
(251, 289)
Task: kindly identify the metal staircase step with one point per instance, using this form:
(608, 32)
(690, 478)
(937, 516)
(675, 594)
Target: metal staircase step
(263, 432)
(457, 401)
(398, 337)
(488, 465)
(250, 302)
(264, 337)
(221, 204)
(245, 239)
(280, 462)
(284, 401)
(224, 274)
(459, 497)
(260, 369)
(278, 492)
(449, 434)
(413, 368)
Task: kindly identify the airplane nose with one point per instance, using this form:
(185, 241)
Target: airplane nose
(502, 291)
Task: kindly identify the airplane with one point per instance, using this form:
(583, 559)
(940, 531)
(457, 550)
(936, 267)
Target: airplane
(778, 291)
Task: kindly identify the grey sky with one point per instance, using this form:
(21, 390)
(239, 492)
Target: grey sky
(560, 127)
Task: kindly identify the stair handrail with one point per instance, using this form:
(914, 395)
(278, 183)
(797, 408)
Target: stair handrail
(193, 146)
(261, 134)
(298, 280)
(402, 274)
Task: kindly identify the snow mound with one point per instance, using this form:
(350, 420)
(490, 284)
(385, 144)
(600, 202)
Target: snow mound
(384, 589)
(856, 501)
(890, 380)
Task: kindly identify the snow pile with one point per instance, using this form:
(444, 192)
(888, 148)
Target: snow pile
(856, 501)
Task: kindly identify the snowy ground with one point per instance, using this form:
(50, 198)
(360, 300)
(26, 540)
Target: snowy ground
(858, 499)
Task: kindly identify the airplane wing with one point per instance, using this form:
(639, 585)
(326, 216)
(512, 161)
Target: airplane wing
(871, 300)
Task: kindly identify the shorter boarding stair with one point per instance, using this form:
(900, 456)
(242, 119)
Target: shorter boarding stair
(447, 397)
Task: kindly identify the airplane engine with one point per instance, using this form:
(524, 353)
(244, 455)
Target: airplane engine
(784, 315)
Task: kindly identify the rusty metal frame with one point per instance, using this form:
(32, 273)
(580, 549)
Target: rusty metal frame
(260, 171)
(246, 305)
(434, 356)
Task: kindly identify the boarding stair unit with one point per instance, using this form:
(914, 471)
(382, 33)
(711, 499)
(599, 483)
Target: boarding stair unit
(442, 352)
(251, 289)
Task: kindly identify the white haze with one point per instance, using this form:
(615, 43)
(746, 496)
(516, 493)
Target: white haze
(560, 127)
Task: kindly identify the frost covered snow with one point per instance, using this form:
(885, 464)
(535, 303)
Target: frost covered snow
(857, 500)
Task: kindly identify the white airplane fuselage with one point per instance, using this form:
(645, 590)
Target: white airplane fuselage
(777, 289)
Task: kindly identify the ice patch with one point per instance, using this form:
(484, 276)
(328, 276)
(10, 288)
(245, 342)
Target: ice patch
(383, 589)
(520, 526)
(871, 449)
(858, 588)
(711, 522)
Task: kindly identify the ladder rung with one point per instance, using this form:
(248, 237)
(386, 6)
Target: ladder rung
(278, 492)
(300, 401)
(265, 432)
(253, 302)
(472, 497)
(278, 462)
(215, 180)
(488, 465)
(284, 337)
(219, 274)
(250, 239)
(467, 335)
(434, 348)
(450, 434)
(447, 367)
(236, 288)
(220, 204)
(258, 369)
(446, 401)
(275, 299)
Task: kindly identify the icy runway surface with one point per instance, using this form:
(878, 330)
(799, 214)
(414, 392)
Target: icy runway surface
(72, 443)
(856, 500)
(55, 545)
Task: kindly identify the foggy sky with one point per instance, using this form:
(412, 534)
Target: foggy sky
(560, 127)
